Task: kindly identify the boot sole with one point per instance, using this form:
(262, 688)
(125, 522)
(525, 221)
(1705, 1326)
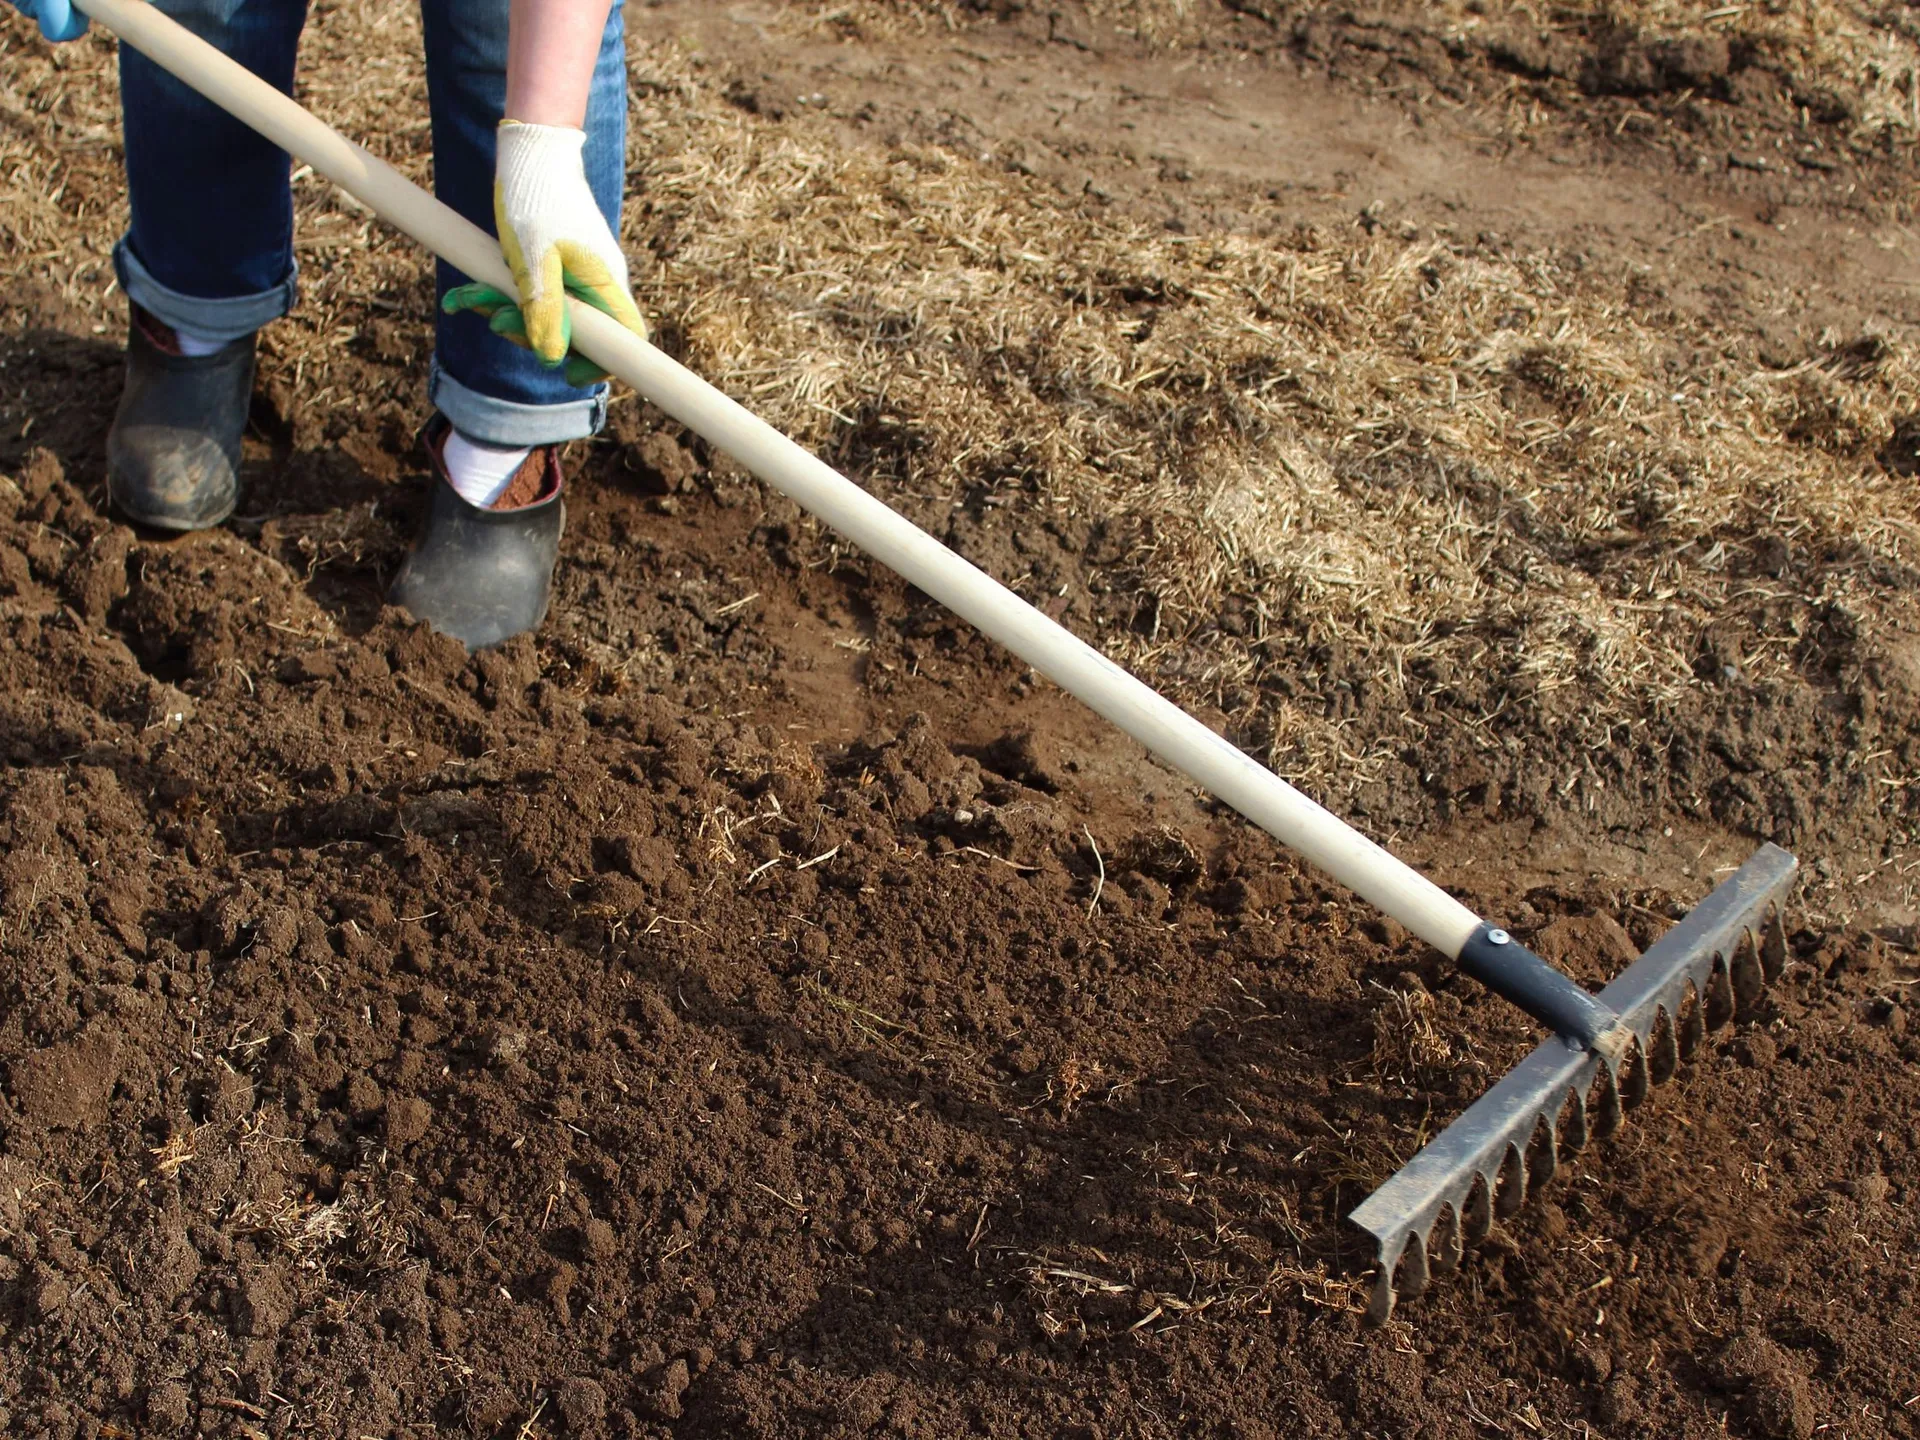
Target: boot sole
(173, 524)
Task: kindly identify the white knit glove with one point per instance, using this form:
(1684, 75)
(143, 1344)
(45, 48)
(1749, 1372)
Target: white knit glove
(555, 238)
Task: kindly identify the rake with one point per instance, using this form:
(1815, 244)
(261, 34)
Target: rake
(1605, 1050)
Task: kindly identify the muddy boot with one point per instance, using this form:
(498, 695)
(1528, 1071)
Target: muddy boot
(173, 454)
(485, 575)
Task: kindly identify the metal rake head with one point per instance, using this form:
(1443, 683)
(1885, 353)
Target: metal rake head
(1707, 968)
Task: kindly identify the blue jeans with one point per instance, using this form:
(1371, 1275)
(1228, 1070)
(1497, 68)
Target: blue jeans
(210, 246)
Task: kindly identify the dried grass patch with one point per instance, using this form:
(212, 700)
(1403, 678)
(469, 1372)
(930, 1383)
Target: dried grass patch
(1309, 477)
(1295, 444)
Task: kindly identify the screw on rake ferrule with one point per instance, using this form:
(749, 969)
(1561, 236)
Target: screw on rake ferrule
(1510, 969)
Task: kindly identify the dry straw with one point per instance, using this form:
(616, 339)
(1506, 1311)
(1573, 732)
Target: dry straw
(1404, 451)
(1269, 458)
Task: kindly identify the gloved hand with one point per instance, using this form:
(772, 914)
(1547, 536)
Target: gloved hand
(58, 19)
(557, 243)
(506, 319)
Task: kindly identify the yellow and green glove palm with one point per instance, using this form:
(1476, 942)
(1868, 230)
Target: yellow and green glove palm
(556, 242)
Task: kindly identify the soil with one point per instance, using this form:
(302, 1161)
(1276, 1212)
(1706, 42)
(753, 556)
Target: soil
(760, 1007)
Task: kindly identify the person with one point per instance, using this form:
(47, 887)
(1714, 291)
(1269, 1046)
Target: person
(528, 103)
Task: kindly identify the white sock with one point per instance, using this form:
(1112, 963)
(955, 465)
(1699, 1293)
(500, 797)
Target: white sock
(194, 345)
(479, 473)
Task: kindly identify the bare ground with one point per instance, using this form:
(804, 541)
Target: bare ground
(397, 1041)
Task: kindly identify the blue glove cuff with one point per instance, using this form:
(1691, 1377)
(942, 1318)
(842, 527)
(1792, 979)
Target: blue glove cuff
(58, 19)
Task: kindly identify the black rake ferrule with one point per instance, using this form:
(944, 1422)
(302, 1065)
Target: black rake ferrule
(1511, 970)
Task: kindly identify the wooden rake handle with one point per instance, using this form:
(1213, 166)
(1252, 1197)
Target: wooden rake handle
(1076, 667)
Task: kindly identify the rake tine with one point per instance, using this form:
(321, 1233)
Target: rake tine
(1633, 1078)
(1609, 1112)
(1510, 1142)
(1664, 1056)
(1749, 981)
(1543, 1158)
(1574, 1133)
(1415, 1272)
(1719, 1008)
(1773, 948)
(1477, 1219)
(1445, 1249)
(1693, 1024)
(1512, 1189)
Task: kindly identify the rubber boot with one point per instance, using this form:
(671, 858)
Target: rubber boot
(173, 454)
(485, 575)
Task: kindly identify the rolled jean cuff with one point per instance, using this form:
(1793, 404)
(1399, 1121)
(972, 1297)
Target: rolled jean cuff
(513, 424)
(225, 319)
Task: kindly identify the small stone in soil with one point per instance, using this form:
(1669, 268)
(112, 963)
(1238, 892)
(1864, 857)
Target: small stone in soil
(597, 1241)
(167, 1408)
(1776, 1400)
(263, 1304)
(582, 1404)
(363, 1095)
(407, 1120)
(50, 1293)
(67, 1086)
(501, 1045)
(663, 1403)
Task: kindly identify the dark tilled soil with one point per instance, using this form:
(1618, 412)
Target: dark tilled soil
(528, 1045)
(1632, 86)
